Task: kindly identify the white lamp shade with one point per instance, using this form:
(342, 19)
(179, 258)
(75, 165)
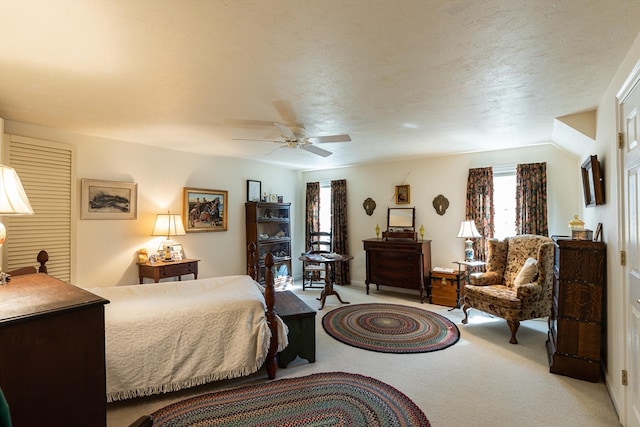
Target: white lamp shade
(468, 230)
(168, 225)
(13, 199)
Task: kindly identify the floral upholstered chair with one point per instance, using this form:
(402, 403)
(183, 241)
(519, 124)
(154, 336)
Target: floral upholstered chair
(518, 281)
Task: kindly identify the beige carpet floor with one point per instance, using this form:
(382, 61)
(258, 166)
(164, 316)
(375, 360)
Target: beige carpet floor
(480, 381)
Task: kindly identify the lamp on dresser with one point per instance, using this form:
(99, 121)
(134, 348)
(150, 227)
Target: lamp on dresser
(468, 231)
(168, 225)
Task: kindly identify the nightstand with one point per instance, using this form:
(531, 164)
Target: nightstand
(162, 270)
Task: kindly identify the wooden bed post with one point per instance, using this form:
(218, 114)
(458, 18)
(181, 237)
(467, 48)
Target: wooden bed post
(270, 298)
(271, 363)
(42, 258)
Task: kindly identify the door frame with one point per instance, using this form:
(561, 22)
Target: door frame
(632, 82)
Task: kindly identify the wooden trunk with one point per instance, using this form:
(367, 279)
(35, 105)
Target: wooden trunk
(445, 288)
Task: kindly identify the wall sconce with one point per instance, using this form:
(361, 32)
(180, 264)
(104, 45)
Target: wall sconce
(168, 225)
(468, 231)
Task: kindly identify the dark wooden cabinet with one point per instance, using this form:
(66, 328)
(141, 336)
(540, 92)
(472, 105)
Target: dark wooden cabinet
(576, 331)
(400, 263)
(268, 225)
(52, 353)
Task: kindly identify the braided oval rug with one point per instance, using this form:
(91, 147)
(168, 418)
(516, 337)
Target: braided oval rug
(390, 328)
(324, 399)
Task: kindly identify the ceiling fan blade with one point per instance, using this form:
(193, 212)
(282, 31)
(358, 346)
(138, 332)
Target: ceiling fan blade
(315, 150)
(241, 123)
(286, 112)
(330, 138)
(275, 149)
(286, 132)
(255, 139)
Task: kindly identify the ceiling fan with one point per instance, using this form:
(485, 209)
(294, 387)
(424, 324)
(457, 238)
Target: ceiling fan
(290, 140)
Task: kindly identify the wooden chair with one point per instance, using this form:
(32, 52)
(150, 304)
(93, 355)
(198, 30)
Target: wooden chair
(313, 272)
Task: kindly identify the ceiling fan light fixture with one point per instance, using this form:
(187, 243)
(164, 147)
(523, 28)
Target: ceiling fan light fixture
(290, 140)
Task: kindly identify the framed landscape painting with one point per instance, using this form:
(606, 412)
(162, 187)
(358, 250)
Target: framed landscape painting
(205, 210)
(108, 199)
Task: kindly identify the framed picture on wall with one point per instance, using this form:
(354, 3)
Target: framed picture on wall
(592, 182)
(253, 190)
(108, 199)
(403, 195)
(205, 210)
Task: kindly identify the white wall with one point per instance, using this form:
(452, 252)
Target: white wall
(105, 251)
(608, 214)
(447, 175)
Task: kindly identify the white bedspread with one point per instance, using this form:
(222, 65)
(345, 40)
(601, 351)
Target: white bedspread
(167, 336)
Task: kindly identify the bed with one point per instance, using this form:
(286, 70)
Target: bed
(172, 335)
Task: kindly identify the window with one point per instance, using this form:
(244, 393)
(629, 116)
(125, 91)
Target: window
(325, 207)
(504, 201)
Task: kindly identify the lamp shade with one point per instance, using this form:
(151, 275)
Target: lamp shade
(168, 225)
(468, 230)
(13, 199)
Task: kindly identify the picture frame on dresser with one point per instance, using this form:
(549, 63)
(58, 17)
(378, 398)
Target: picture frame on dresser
(205, 210)
(254, 190)
(597, 236)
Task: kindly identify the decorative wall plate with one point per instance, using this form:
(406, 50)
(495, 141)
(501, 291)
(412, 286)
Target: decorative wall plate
(440, 204)
(369, 206)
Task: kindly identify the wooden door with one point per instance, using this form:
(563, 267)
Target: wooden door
(630, 112)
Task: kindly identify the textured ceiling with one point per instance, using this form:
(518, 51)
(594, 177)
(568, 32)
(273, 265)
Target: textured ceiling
(403, 78)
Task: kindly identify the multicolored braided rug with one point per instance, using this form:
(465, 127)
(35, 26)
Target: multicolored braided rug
(390, 328)
(326, 399)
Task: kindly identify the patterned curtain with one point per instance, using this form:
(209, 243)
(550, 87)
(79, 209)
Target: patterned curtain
(531, 199)
(480, 207)
(312, 211)
(339, 229)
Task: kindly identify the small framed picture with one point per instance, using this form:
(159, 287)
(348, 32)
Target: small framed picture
(597, 236)
(254, 189)
(177, 252)
(280, 199)
(403, 195)
(273, 198)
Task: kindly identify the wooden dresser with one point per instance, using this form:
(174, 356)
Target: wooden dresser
(52, 353)
(400, 263)
(576, 331)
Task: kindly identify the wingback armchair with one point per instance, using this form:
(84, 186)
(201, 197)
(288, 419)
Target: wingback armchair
(518, 281)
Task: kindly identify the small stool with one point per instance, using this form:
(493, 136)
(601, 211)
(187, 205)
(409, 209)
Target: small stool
(300, 319)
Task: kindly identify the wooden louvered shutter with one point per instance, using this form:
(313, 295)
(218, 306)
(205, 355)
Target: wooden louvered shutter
(45, 169)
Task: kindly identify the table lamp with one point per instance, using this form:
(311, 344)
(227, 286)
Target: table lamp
(13, 199)
(468, 231)
(168, 225)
